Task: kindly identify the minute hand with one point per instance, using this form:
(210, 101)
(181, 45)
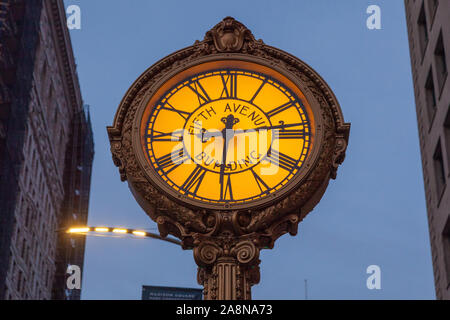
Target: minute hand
(208, 134)
(281, 126)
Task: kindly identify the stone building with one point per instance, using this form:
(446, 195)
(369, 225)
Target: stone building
(428, 24)
(46, 151)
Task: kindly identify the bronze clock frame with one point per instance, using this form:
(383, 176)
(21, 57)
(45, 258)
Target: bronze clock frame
(226, 240)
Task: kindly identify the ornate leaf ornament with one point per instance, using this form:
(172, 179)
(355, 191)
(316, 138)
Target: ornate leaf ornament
(229, 35)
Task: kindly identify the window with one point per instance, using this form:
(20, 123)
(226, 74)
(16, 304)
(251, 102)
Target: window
(60, 146)
(26, 173)
(423, 31)
(27, 218)
(55, 116)
(432, 6)
(51, 93)
(24, 245)
(447, 132)
(19, 281)
(44, 69)
(446, 248)
(24, 281)
(439, 171)
(430, 96)
(441, 64)
(27, 258)
(18, 238)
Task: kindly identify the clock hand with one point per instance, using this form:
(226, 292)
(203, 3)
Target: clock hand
(205, 135)
(171, 135)
(227, 135)
(281, 126)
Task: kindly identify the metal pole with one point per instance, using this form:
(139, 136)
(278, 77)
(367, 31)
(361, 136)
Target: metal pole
(306, 289)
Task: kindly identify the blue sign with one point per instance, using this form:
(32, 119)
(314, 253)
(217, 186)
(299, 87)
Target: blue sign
(171, 293)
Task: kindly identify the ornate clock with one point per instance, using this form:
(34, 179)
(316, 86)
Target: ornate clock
(228, 144)
(183, 135)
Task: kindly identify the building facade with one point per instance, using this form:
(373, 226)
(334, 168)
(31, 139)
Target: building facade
(46, 151)
(428, 24)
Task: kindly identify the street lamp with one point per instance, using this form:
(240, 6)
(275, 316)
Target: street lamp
(135, 232)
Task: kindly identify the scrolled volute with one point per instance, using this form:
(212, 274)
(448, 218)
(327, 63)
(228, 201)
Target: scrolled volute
(246, 252)
(207, 253)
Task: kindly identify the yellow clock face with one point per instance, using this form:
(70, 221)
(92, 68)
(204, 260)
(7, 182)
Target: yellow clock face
(227, 134)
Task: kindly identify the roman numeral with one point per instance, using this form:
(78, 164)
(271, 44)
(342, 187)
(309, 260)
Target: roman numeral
(281, 160)
(257, 91)
(229, 86)
(198, 89)
(194, 180)
(169, 136)
(171, 161)
(226, 193)
(291, 134)
(183, 114)
(279, 109)
(260, 181)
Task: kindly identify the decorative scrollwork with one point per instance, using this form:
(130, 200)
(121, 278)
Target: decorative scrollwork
(206, 253)
(229, 35)
(338, 155)
(246, 252)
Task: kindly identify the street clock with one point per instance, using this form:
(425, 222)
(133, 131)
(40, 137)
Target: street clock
(228, 144)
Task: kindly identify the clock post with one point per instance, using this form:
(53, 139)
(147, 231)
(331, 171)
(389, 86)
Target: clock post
(228, 264)
(173, 138)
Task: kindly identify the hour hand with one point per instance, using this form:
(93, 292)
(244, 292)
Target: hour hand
(206, 135)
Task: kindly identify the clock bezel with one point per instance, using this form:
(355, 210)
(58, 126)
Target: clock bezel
(155, 179)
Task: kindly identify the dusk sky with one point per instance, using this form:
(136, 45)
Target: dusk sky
(372, 214)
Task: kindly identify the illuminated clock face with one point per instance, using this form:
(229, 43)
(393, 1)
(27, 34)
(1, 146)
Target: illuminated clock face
(227, 136)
